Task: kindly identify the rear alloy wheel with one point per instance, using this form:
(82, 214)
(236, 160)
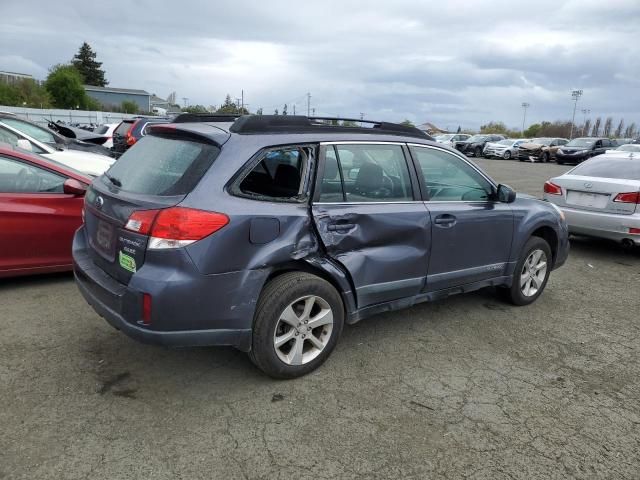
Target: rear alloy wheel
(545, 157)
(507, 155)
(298, 320)
(532, 272)
(478, 152)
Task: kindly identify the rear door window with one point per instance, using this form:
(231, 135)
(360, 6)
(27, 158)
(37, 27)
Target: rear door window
(163, 166)
(123, 128)
(34, 131)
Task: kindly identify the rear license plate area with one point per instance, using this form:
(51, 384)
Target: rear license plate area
(587, 199)
(104, 240)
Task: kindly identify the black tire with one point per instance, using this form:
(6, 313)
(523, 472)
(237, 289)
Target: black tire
(507, 155)
(276, 296)
(514, 293)
(559, 162)
(545, 157)
(478, 152)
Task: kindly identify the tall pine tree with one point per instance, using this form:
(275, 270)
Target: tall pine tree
(85, 62)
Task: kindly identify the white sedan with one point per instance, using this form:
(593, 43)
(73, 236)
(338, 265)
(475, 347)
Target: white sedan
(107, 130)
(626, 149)
(85, 162)
(601, 197)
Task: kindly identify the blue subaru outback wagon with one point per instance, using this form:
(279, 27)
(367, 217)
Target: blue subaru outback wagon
(269, 233)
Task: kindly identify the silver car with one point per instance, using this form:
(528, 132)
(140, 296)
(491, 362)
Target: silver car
(506, 149)
(601, 197)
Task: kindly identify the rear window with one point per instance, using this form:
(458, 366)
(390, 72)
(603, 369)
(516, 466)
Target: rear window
(101, 130)
(123, 128)
(163, 166)
(618, 168)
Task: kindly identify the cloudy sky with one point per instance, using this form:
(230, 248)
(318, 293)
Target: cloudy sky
(451, 63)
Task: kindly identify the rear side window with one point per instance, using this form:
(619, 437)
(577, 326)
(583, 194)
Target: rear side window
(618, 168)
(163, 166)
(278, 175)
(39, 133)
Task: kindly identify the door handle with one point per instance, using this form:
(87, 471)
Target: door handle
(445, 220)
(340, 226)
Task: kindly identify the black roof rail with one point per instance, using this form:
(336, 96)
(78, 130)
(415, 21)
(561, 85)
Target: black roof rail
(206, 117)
(258, 124)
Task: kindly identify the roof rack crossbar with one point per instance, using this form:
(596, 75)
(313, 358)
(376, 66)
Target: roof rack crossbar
(258, 124)
(206, 117)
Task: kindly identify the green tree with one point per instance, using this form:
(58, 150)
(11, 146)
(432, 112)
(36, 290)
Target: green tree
(284, 109)
(9, 95)
(64, 85)
(532, 131)
(230, 107)
(85, 62)
(195, 109)
(26, 92)
(407, 123)
(129, 107)
(349, 123)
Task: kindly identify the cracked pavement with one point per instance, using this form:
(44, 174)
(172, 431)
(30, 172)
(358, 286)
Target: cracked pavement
(469, 387)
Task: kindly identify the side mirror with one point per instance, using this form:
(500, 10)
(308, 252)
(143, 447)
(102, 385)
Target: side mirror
(24, 144)
(72, 186)
(506, 194)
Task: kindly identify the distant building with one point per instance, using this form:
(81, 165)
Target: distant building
(113, 97)
(13, 77)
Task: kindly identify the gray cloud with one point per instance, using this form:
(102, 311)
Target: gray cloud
(457, 63)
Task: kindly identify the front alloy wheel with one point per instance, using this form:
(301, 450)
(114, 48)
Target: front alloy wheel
(507, 155)
(533, 274)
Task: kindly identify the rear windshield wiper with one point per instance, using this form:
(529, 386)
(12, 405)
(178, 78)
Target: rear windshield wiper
(113, 180)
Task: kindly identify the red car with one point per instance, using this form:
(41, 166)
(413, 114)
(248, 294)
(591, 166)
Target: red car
(41, 205)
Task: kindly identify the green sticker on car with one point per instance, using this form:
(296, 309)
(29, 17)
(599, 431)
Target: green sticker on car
(127, 262)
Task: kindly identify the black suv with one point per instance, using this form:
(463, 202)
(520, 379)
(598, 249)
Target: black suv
(272, 233)
(475, 145)
(131, 130)
(580, 149)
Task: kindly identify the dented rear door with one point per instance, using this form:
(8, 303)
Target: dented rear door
(381, 240)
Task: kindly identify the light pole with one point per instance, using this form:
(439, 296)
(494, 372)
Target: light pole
(525, 105)
(575, 94)
(585, 112)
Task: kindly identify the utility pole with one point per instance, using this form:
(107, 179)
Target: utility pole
(308, 104)
(242, 99)
(313, 112)
(575, 94)
(585, 112)
(525, 105)
(185, 100)
(294, 108)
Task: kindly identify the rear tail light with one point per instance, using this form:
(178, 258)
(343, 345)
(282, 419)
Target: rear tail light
(128, 137)
(630, 197)
(146, 309)
(634, 231)
(552, 188)
(175, 227)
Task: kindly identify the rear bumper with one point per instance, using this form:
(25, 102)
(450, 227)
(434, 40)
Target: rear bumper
(188, 308)
(602, 225)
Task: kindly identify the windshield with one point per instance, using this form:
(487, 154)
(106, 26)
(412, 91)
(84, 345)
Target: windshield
(581, 142)
(542, 141)
(477, 138)
(505, 142)
(162, 166)
(444, 138)
(628, 148)
(34, 131)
